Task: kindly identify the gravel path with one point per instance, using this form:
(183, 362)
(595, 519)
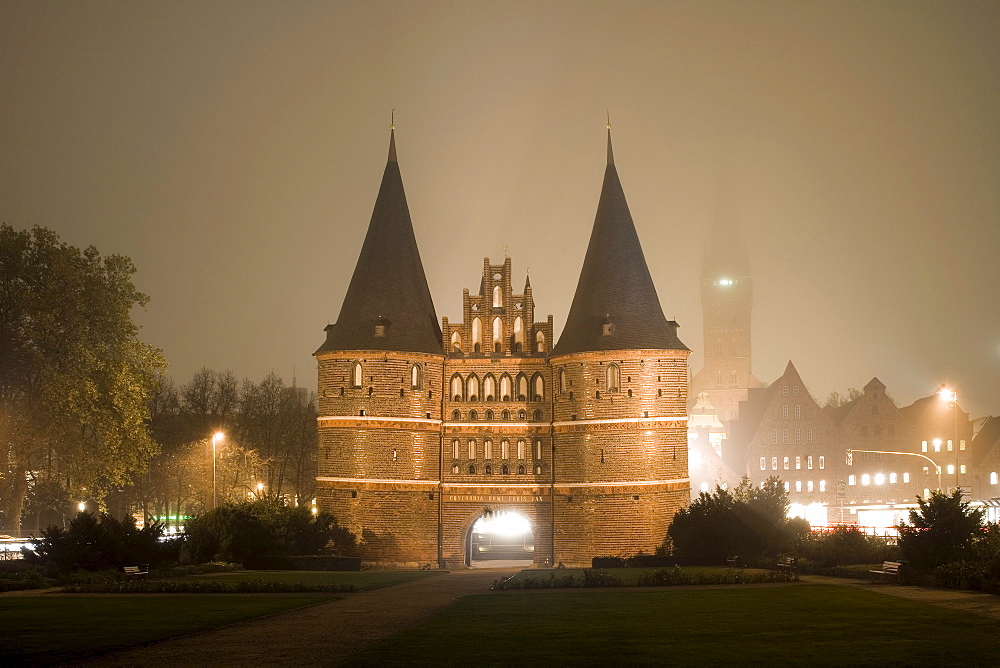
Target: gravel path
(322, 635)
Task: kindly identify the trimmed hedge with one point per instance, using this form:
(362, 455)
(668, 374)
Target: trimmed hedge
(317, 562)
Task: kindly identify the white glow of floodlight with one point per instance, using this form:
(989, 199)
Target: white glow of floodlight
(503, 523)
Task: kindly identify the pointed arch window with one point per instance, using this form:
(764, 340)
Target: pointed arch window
(472, 448)
(455, 454)
(614, 378)
(477, 334)
(488, 469)
(456, 342)
(505, 449)
(562, 381)
(538, 387)
(520, 449)
(497, 297)
(490, 387)
(357, 374)
(456, 387)
(538, 450)
(472, 386)
(505, 470)
(497, 334)
(472, 469)
(488, 449)
(520, 469)
(489, 415)
(518, 334)
(506, 387)
(416, 377)
(540, 342)
(522, 387)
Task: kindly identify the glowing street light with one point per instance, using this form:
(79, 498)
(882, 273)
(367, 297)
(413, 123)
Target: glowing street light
(82, 506)
(216, 437)
(951, 397)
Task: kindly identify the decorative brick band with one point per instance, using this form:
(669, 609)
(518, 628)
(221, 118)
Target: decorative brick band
(373, 421)
(621, 424)
(385, 481)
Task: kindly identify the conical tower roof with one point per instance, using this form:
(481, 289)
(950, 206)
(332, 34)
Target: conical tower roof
(615, 306)
(388, 304)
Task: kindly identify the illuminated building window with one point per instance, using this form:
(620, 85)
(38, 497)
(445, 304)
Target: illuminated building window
(787, 487)
(477, 335)
(927, 492)
(925, 470)
(488, 449)
(540, 342)
(506, 387)
(538, 470)
(809, 462)
(784, 412)
(472, 449)
(538, 387)
(763, 463)
(497, 297)
(505, 449)
(798, 463)
(456, 387)
(520, 449)
(866, 479)
(892, 478)
(490, 387)
(784, 436)
(851, 480)
(822, 462)
(809, 435)
(454, 468)
(949, 445)
(522, 387)
(906, 477)
(937, 445)
(879, 479)
(703, 487)
(951, 469)
(415, 377)
(456, 342)
(785, 463)
(798, 485)
(473, 388)
(961, 444)
(822, 485)
(798, 412)
(774, 436)
(774, 463)
(518, 334)
(809, 486)
(923, 446)
(961, 469)
(455, 454)
(357, 374)
(993, 478)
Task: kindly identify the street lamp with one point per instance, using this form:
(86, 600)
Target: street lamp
(951, 397)
(850, 458)
(216, 437)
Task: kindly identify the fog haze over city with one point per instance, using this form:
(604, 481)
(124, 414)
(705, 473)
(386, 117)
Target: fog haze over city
(234, 152)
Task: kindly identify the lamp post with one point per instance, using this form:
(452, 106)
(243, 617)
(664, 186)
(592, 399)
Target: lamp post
(216, 437)
(951, 396)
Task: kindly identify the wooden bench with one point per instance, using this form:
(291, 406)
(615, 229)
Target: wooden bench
(787, 564)
(736, 560)
(889, 570)
(136, 571)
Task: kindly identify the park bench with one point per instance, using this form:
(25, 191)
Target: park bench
(788, 563)
(140, 571)
(889, 570)
(736, 560)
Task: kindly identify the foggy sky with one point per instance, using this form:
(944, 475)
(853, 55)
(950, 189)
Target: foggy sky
(234, 150)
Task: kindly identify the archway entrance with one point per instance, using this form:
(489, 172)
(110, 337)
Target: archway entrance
(500, 538)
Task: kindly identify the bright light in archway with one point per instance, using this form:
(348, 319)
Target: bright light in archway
(504, 524)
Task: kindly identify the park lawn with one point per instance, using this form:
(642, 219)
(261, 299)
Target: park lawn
(628, 576)
(361, 580)
(791, 624)
(44, 630)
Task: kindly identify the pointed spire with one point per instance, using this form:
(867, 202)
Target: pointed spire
(527, 282)
(611, 154)
(388, 305)
(615, 306)
(392, 137)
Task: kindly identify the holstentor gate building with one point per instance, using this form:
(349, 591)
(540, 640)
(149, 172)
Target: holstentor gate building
(425, 427)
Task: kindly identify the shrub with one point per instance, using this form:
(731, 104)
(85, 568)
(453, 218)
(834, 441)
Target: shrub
(942, 530)
(265, 527)
(95, 542)
(844, 546)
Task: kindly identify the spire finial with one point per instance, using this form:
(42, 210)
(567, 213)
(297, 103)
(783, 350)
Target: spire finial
(611, 155)
(505, 251)
(392, 136)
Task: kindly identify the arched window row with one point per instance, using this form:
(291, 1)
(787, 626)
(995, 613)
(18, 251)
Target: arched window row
(521, 449)
(499, 339)
(489, 388)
